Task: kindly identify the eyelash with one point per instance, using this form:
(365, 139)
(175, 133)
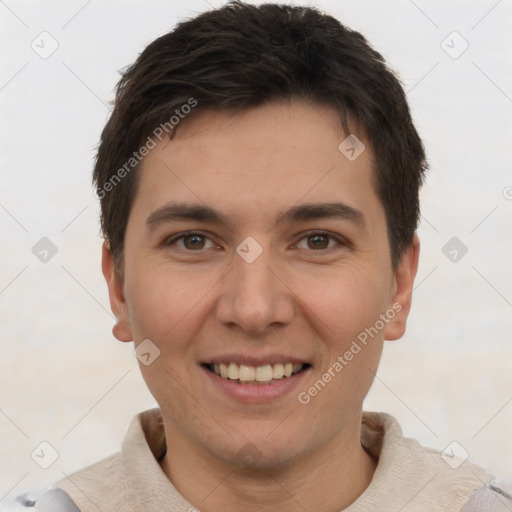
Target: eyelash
(341, 241)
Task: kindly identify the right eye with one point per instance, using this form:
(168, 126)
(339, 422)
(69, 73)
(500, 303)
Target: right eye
(190, 241)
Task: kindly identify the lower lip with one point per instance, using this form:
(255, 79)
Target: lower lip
(255, 393)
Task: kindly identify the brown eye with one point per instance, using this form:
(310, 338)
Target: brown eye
(193, 241)
(318, 241)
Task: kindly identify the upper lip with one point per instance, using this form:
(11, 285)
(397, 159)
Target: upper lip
(252, 360)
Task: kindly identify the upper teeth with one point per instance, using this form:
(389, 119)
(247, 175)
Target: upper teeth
(246, 373)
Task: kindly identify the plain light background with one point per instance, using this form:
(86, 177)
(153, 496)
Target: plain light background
(65, 380)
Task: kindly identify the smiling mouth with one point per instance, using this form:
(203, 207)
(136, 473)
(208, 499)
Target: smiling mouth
(246, 374)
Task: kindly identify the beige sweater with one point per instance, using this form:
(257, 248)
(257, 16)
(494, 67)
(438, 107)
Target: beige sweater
(408, 478)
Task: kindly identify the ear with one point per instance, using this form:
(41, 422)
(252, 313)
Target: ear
(402, 298)
(122, 329)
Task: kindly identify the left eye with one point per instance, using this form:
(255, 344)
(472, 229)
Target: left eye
(318, 241)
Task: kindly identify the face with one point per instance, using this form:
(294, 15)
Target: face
(256, 248)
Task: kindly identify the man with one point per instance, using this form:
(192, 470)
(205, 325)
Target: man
(259, 181)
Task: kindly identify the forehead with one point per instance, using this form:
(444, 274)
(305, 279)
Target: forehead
(253, 163)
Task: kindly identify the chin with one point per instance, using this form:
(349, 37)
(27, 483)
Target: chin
(258, 452)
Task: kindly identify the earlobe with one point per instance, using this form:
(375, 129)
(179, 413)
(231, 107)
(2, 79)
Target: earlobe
(404, 281)
(121, 329)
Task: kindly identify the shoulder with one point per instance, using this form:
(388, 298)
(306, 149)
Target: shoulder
(495, 495)
(100, 486)
(416, 477)
(107, 485)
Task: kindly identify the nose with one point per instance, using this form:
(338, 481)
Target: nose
(254, 296)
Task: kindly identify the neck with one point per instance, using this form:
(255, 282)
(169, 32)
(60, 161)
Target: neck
(329, 480)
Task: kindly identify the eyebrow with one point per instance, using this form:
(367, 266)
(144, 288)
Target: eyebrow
(174, 211)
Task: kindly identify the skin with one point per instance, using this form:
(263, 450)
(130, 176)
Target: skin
(303, 296)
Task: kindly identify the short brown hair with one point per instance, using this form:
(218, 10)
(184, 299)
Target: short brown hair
(241, 56)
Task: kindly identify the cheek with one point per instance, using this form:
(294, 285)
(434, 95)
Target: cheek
(148, 307)
(168, 309)
(343, 303)
(168, 305)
